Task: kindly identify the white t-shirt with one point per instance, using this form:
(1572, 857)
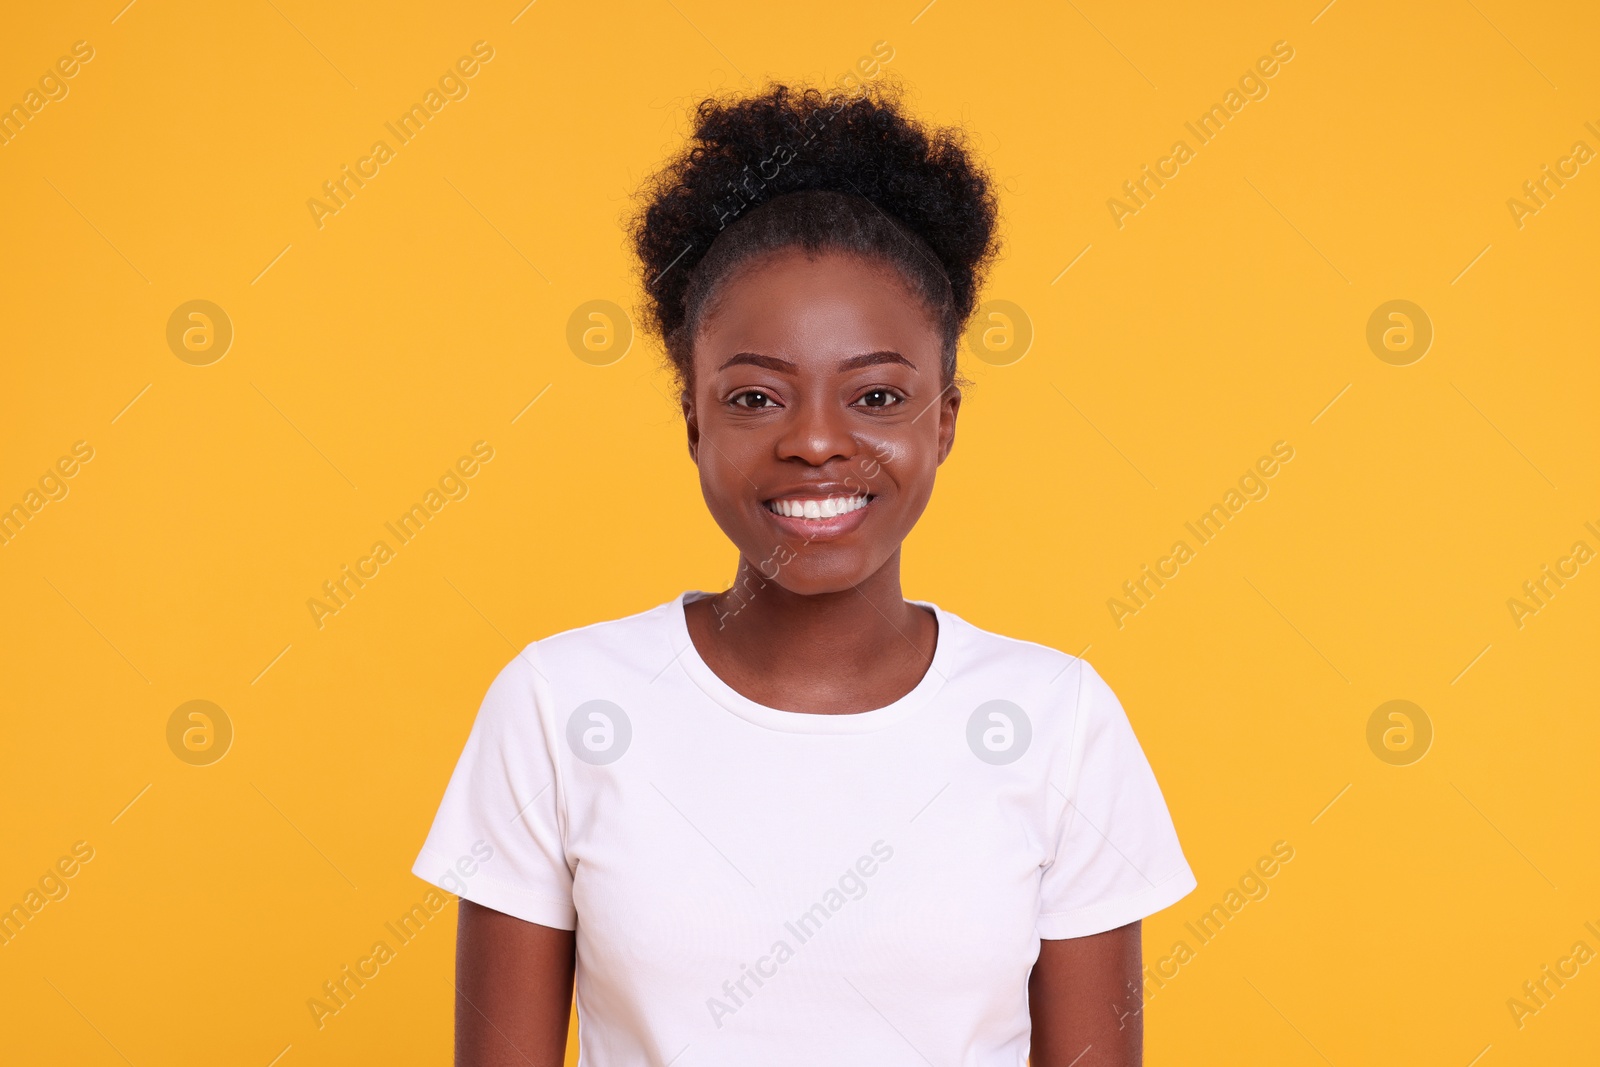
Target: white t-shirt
(754, 886)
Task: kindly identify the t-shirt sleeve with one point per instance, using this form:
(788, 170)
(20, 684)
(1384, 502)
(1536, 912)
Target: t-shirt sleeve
(1116, 858)
(497, 839)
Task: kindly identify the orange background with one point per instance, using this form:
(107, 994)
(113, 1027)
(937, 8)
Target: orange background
(368, 354)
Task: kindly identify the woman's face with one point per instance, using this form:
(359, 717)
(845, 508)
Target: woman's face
(818, 415)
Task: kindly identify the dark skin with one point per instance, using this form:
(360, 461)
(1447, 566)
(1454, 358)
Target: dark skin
(513, 990)
(814, 377)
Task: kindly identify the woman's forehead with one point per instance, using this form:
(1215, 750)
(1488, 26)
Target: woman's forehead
(824, 304)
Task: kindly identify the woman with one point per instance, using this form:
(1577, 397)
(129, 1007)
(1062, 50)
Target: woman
(805, 820)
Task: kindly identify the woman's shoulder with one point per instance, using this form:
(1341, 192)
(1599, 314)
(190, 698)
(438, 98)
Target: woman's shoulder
(610, 646)
(627, 633)
(1059, 702)
(977, 649)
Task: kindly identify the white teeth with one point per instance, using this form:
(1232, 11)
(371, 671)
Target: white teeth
(827, 508)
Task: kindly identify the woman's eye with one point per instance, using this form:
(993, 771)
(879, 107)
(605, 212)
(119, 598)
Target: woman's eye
(879, 398)
(753, 398)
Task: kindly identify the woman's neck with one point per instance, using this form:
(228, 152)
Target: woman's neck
(853, 650)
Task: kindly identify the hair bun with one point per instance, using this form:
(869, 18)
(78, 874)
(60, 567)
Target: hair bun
(745, 151)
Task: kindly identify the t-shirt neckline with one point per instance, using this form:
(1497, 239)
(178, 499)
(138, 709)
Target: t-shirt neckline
(802, 722)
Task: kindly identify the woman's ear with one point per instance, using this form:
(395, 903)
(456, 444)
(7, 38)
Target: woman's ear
(949, 408)
(691, 424)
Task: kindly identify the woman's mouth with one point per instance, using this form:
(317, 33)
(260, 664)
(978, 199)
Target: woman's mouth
(819, 518)
(813, 508)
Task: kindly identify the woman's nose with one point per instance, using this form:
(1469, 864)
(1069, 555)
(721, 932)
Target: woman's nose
(816, 432)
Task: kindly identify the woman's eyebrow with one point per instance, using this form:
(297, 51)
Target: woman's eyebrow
(783, 366)
(872, 359)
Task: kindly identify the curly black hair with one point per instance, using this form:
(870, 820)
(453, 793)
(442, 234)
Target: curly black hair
(838, 169)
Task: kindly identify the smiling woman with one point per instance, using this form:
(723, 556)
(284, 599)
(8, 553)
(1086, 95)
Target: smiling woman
(776, 436)
(664, 792)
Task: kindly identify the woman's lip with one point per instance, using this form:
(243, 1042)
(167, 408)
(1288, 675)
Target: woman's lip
(821, 529)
